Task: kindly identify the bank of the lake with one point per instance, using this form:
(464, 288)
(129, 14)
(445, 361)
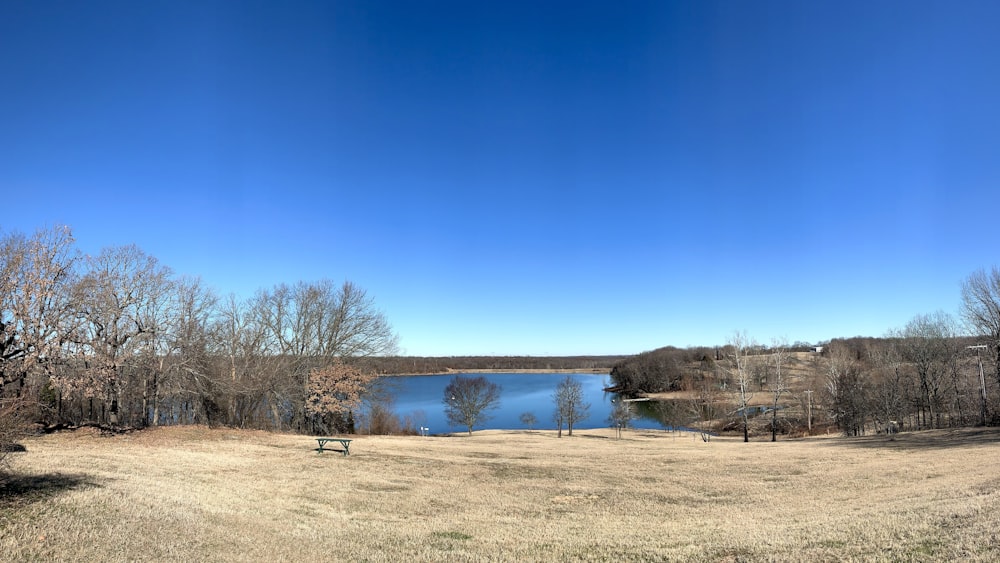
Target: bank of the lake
(593, 371)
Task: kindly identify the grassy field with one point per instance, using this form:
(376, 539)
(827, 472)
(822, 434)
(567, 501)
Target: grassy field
(227, 495)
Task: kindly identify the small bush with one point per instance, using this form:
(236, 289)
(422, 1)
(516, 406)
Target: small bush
(13, 426)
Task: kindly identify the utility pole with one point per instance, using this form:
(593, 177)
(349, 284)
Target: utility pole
(982, 382)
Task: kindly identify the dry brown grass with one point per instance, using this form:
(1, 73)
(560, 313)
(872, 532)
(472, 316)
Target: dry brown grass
(226, 495)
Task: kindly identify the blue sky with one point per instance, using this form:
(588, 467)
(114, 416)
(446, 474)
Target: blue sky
(542, 178)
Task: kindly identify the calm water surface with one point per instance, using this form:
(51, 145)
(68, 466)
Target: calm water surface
(421, 398)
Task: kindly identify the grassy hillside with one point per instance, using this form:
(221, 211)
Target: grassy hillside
(190, 493)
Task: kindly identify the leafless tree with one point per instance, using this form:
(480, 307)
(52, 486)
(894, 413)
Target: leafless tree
(467, 400)
(892, 390)
(36, 274)
(981, 309)
(778, 380)
(847, 391)
(118, 298)
(672, 414)
(310, 324)
(622, 413)
(180, 367)
(13, 425)
(324, 320)
(741, 370)
(925, 344)
(705, 402)
(570, 406)
(377, 412)
(962, 396)
(252, 367)
(528, 419)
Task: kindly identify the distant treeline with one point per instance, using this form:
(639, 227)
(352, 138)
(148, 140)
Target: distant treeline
(416, 365)
(924, 375)
(665, 369)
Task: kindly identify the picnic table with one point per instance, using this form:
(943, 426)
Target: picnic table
(343, 442)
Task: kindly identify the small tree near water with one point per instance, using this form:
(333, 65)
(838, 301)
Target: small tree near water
(570, 407)
(528, 419)
(621, 416)
(468, 399)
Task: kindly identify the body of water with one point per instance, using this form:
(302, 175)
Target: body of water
(421, 398)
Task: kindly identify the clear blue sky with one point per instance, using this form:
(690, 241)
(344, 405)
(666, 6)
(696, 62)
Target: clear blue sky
(540, 178)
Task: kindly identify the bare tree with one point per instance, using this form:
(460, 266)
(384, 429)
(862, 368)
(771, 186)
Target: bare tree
(705, 402)
(36, 275)
(847, 391)
(570, 407)
(528, 419)
(467, 400)
(324, 320)
(926, 343)
(621, 416)
(309, 324)
(118, 298)
(13, 425)
(778, 381)
(378, 401)
(672, 414)
(962, 395)
(742, 373)
(179, 355)
(252, 369)
(981, 309)
(891, 391)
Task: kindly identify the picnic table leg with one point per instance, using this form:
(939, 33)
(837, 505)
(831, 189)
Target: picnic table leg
(347, 448)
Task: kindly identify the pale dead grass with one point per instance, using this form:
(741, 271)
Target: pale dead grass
(227, 495)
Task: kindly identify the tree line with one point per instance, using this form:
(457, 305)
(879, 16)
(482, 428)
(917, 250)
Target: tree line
(118, 339)
(937, 371)
(668, 368)
(924, 375)
(419, 365)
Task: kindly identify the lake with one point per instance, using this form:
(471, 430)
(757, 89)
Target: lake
(420, 397)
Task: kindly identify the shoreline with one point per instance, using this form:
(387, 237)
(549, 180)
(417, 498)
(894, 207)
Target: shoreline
(588, 371)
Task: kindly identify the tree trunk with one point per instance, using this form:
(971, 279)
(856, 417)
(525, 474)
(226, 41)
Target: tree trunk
(276, 416)
(156, 408)
(145, 400)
